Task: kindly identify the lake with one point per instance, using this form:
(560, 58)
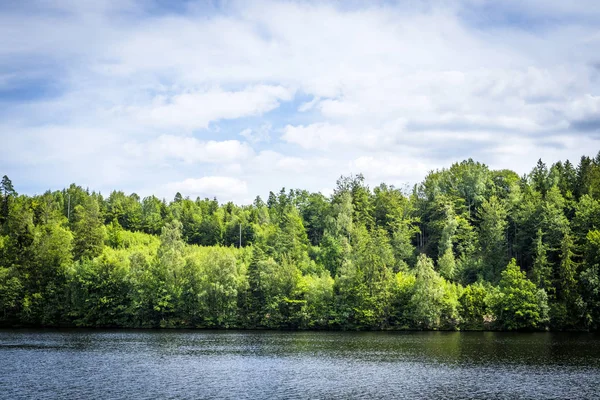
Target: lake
(82, 364)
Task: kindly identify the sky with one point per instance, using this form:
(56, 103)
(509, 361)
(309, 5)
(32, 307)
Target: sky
(236, 98)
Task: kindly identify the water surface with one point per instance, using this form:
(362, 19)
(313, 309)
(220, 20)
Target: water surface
(79, 364)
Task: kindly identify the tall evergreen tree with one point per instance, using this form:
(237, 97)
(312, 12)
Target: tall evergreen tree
(8, 191)
(88, 230)
(492, 237)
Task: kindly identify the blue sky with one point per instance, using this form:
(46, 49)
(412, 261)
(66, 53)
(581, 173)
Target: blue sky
(236, 98)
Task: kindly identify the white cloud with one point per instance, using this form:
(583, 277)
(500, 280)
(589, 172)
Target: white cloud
(391, 169)
(197, 109)
(292, 93)
(316, 136)
(269, 161)
(309, 105)
(585, 107)
(222, 187)
(258, 135)
(190, 150)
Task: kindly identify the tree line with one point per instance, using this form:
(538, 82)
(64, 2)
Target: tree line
(468, 248)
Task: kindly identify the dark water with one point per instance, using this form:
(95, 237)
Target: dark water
(238, 365)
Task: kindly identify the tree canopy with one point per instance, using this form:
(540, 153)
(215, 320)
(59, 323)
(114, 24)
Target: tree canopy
(467, 248)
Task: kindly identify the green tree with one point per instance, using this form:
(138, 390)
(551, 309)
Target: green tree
(219, 289)
(519, 304)
(351, 261)
(88, 230)
(431, 306)
(402, 291)
(567, 311)
(540, 178)
(542, 270)
(447, 264)
(360, 195)
(101, 292)
(474, 307)
(373, 257)
(583, 176)
(154, 214)
(335, 246)
(11, 289)
(318, 295)
(314, 210)
(8, 192)
(492, 237)
(256, 300)
(164, 284)
(127, 210)
(114, 235)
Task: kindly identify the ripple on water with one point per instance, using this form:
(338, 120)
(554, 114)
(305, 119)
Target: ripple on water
(244, 365)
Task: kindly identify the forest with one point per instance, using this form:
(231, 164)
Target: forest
(469, 248)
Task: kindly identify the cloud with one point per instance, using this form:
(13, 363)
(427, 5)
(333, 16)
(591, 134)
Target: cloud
(309, 105)
(190, 150)
(391, 169)
(269, 161)
(584, 113)
(131, 95)
(209, 186)
(316, 136)
(196, 110)
(258, 135)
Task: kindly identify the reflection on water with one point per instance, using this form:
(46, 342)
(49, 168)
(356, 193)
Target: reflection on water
(247, 364)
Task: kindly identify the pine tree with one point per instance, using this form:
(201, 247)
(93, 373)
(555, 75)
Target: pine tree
(256, 298)
(492, 237)
(88, 230)
(542, 270)
(8, 191)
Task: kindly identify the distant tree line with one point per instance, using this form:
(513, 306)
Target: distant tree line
(469, 248)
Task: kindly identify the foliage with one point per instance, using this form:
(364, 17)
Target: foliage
(518, 303)
(360, 259)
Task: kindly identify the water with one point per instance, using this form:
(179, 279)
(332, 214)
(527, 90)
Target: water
(247, 365)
